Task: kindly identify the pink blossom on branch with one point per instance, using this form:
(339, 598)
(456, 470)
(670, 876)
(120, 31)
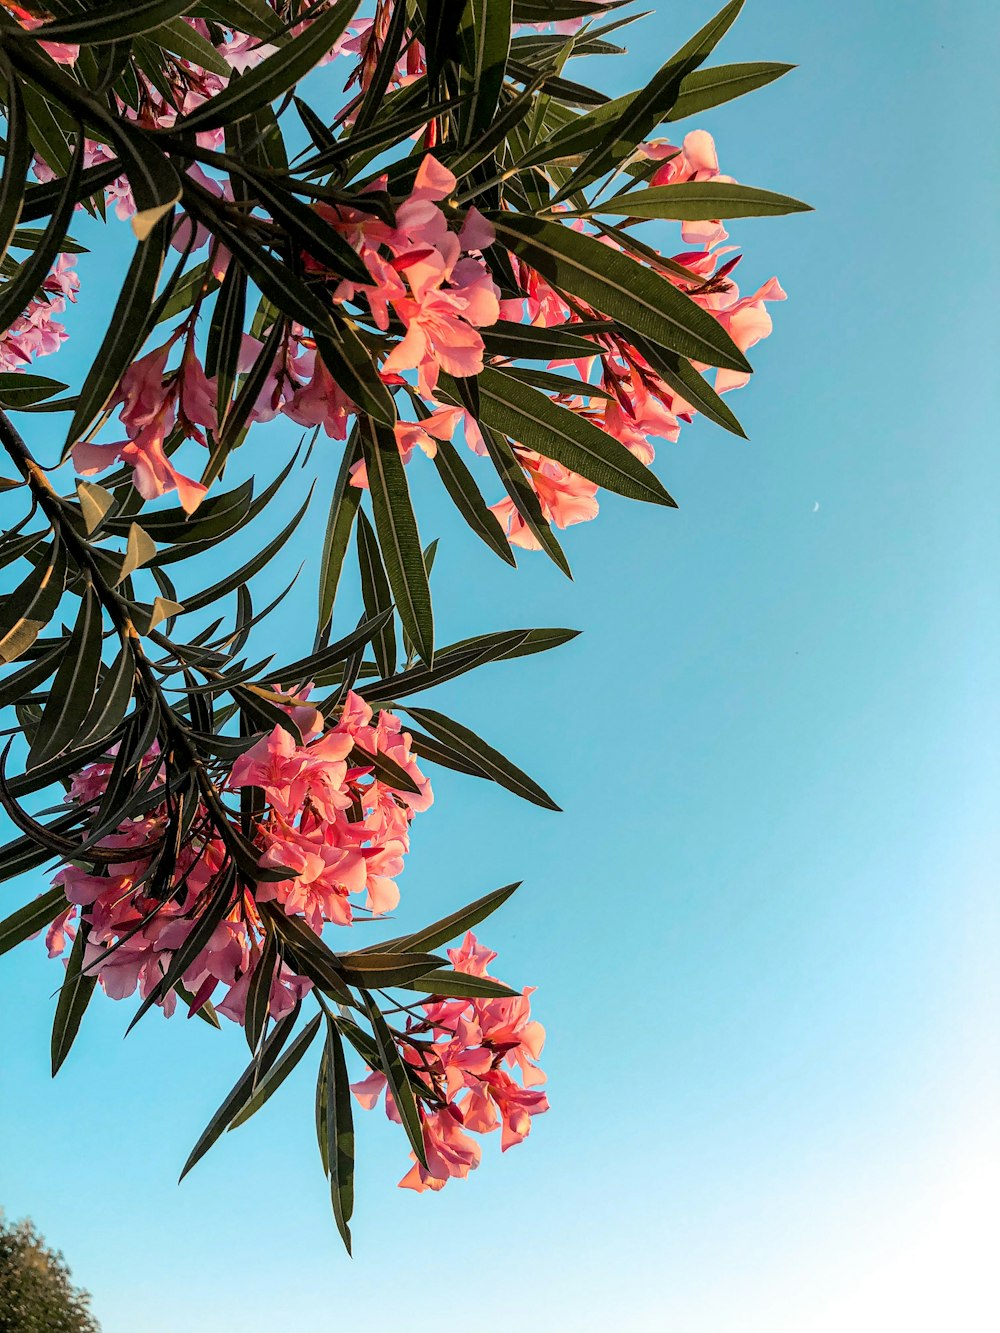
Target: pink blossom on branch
(477, 1061)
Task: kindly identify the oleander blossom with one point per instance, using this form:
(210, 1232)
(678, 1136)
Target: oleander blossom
(477, 1061)
(326, 817)
(37, 332)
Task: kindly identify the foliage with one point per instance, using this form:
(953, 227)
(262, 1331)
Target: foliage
(36, 1294)
(455, 254)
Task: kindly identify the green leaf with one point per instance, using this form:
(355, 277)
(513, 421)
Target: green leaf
(34, 916)
(398, 537)
(268, 1086)
(343, 508)
(225, 337)
(74, 996)
(450, 927)
(26, 612)
(259, 991)
(180, 39)
(460, 985)
(376, 595)
(73, 689)
(310, 955)
(534, 420)
(17, 293)
(106, 23)
(523, 496)
(682, 377)
(17, 160)
(706, 88)
(18, 391)
(111, 701)
(484, 37)
(380, 970)
(352, 367)
(275, 75)
(696, 201)
(490, 761)
(619, 287)
(459, 483)
(392, 1067)
(537, 343)
(242, 1091)
(340, 1132)
(653, 103)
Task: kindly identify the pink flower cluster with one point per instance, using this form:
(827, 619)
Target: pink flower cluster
(153, 402)
(642, 407)
(327, 818)
(37, 332)
(476, 1058)
(433, 279)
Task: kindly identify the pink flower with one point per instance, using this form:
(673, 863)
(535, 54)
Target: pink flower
(565, 498)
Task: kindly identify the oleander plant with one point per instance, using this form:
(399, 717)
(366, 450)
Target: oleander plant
(413, 233)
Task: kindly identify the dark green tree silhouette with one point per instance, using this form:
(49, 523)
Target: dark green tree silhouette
(36, 1292)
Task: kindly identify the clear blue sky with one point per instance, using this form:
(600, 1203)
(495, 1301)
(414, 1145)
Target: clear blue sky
(765, 930)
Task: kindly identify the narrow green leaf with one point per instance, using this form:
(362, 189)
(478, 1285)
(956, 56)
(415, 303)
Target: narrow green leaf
(275, 75)
(74, 996)
(653, 103)
(343, 508)
(459, 483)
(525, 414)
(491, 761)
(617, 286)
(17, 160)
(454, 985)
(391, 1065)
(267, 1087)
(398, 537)
(73, 689)
(34, 916)
(696, 201)
(242, 1091)
(340, 1133)
(106, 23)
(457, 923)
(705, 88)
(376, 595)
(484, 40)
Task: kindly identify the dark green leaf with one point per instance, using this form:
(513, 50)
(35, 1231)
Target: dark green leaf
(343, 508)
(276, 74)
(74, 996)
(469, 502)
(376, 595)
(242, 1091)
(268, 1086)
(339, 1133)
(696, 201)
(34, 916)
(450, 927)
(459, 985)
(398, 538)
(391, 1065)
(706, 88)
(73, 689)
(534, 420)
(492, 762)
(654, 102)
(617, 286)
(107, 23)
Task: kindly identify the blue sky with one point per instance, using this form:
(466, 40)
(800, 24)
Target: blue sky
(764, 931)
